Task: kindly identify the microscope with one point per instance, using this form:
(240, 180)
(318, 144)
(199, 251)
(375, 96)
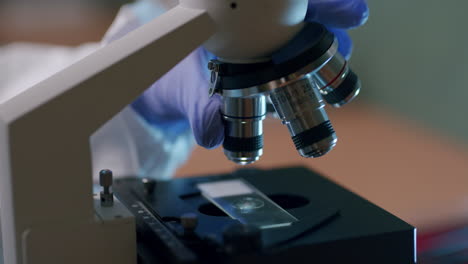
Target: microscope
(49, 214)
(297, 80)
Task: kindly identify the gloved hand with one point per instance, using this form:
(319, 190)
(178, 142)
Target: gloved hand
(181, 95)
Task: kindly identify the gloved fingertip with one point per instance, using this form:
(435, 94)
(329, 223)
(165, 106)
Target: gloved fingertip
(359, 16)
(344, 14)
(209, 130)
(345, 43)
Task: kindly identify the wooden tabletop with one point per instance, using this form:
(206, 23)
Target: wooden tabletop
(395, 164)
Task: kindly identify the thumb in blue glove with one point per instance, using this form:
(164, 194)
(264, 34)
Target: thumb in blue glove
(179, 100)
(344, 14)
(182, 94)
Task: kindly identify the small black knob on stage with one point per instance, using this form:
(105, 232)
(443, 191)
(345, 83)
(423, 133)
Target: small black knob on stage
(149, 185)
(240, 239)
(189, 221)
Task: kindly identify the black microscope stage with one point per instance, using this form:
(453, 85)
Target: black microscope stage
(335, 225)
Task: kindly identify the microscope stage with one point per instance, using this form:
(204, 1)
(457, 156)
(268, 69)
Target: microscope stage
(335, 225)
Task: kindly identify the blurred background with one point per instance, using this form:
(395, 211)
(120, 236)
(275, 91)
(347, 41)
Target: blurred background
(68, 22)
(413, 59)
(403, 144)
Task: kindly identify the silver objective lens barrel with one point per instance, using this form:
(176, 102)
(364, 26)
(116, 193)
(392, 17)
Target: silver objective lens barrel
(301, 108)
(337, 83)
(243, 118)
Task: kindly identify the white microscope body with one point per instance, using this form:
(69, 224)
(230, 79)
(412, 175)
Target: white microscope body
(47, 206)
(247, 30)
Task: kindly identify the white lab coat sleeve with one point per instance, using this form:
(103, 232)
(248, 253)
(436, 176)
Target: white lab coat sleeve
(129, 146)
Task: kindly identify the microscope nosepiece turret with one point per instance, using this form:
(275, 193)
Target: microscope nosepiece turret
(299, 79)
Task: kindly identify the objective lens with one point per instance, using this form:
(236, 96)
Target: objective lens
(301, 108)
(243, 139)
(337, 83)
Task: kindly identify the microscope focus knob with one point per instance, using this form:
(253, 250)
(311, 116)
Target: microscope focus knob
(240, 239)
(105, 180)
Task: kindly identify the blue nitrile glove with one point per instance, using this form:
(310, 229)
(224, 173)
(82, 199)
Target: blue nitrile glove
(181, 95)
(338, 16)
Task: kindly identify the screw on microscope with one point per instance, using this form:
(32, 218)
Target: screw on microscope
(105, 180)
(149, 185)
(189, 221)
(241, 239)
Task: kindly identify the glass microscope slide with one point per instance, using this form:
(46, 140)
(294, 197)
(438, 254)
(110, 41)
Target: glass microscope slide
(243, 202)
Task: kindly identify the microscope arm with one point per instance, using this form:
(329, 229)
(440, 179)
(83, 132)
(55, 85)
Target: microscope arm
(45, 162)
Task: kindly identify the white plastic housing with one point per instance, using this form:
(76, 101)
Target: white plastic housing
(250, 30)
